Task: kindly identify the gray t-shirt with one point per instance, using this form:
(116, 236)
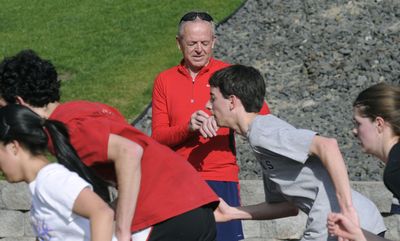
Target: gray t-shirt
(290, 173)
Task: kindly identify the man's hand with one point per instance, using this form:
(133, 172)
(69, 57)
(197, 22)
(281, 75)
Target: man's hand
(221, 213)
(351, 214)
(197, 119)
(209, 128)
(205, 124)
(341, 226)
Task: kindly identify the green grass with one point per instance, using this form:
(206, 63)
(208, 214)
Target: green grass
(105, 50)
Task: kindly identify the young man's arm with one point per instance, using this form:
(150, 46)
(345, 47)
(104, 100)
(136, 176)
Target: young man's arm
(327, 149)
(126, 156)
(261, 211)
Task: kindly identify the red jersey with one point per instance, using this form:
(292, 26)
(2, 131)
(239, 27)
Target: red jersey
(169, 185)
(176, 96)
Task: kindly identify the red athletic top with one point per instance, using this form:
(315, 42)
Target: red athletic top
(169, 185)
(176, 96)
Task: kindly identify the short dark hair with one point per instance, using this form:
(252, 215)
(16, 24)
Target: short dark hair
(245, 82)
(30, 77)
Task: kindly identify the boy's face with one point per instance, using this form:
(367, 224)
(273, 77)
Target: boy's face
(219, 107)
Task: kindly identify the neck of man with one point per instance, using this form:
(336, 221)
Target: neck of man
(193, 71)
(245, 122)
(45, 111)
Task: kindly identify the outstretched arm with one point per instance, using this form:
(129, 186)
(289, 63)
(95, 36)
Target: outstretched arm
(101, 216)
(327, 149)
(127, 156)
(261, 211)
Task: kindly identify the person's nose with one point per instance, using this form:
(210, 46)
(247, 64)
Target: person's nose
(208, 105)
(355, 132)
(198, 47)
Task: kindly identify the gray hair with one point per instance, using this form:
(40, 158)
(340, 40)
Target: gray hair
(182, 23)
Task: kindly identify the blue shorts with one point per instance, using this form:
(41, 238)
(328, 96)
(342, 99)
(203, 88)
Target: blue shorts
(229, 191)
(395, 209)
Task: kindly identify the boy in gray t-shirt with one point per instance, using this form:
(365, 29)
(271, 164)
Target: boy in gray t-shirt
(300, 168)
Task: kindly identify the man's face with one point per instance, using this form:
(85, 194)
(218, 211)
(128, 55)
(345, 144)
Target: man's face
(196, 43)
(219, 107)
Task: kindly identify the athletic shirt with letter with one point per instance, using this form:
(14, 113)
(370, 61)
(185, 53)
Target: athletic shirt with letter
(291, 174)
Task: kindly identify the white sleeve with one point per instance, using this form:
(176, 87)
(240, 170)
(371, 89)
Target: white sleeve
(59, 189)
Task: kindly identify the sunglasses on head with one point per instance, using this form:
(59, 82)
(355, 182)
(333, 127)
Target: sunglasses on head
(191, 16)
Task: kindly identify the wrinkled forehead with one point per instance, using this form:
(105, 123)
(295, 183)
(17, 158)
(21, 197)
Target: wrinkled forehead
(196, 27)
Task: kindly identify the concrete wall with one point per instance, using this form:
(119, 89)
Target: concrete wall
(14, 212)
(15, 203)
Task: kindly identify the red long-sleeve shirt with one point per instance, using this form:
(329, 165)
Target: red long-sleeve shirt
(176, 96)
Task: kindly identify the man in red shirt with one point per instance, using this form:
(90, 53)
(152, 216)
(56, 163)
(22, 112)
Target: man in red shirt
(151, 179)
(180, 120)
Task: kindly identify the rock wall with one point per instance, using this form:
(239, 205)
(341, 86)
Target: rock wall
(316, 56)
(15, 202)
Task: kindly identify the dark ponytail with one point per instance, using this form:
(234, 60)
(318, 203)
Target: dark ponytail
(31, 131)
(67, 156)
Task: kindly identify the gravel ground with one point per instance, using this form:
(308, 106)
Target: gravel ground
(316, 57)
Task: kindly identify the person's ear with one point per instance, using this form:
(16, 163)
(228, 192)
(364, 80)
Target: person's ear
(213, 42)
(380, 124)
(13, 147)
(178, 43)
(234, 102)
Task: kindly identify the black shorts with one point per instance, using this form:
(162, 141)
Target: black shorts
(195, 225)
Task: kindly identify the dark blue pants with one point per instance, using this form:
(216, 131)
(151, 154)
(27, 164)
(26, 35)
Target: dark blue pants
(229, 191)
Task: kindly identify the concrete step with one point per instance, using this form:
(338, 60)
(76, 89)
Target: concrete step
(291, 228)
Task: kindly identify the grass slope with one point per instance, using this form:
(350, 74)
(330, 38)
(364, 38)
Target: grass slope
(105, 50)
